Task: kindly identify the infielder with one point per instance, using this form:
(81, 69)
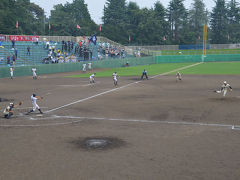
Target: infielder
(84, 67)
(224, 88)
(91, 78)
(34, 99)
(11, 72)
(178, 76)
(144, 73)
(115, 81)
(34, 73)
(8, 111)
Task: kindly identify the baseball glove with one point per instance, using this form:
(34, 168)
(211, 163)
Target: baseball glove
(20, 103)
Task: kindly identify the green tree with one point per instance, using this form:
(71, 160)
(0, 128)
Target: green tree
(65, 18)
(114, 12)
(133, 20)
(161, 23)
(29, 17)
(233, 15)
(115, 20)
(38, 17)
(198, 17)
(7, 17)
(219, 34)
(178, 20)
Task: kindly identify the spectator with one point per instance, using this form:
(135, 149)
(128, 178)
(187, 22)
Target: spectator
(16, 53)
(13, 60)
(8, 60)
(63, 44)
(28, 50)
(13, 43)
(47, 44)
(37, 40)
(1, 46)
(100, 56)
(80, 43)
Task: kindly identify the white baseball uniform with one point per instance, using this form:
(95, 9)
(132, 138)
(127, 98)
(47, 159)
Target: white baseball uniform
(115, 78)
(34, 103)
(224, 88)
(92, 78)
(34, 73)
(11, 72)
(90, 66)
(84, 67)
(179, 76)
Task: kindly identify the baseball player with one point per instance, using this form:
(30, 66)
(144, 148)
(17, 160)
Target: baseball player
(224, 88)
(178, 76)
(84, 67)
(91, 78)
(8, 111)
(11, 72)
(34, 99)
(115, 81)
(144, 73)
(90, 66)
(34, 73)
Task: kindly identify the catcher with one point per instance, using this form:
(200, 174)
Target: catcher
(8, 111)
(224, 88)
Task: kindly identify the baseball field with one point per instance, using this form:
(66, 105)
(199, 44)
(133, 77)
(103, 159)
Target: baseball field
(140, 130)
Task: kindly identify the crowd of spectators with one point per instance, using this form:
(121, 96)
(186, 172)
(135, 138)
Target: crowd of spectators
(58, 56)
(106, 50)
(66, 51)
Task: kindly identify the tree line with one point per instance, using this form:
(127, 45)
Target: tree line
(127, 23)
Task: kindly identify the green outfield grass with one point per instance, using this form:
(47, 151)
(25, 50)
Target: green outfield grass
(214, 68)
(195, 52)
(154, 69)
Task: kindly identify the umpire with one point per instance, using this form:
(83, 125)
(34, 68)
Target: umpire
(144, 73)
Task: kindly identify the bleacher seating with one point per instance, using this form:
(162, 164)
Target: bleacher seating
(39, 52)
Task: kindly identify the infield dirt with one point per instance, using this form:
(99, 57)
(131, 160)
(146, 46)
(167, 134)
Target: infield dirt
(169, 130)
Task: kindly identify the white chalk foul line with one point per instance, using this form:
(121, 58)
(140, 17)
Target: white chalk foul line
(116, 89)
(41, 125)
(30, 108)
(77, 85)
(233, 127)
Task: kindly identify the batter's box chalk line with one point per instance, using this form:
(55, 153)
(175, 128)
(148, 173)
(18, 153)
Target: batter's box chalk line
(235, 127)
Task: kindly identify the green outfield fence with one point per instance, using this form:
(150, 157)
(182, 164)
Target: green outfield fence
(115, 63)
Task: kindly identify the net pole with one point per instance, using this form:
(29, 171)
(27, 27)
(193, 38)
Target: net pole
(203, 39)
(206, 40)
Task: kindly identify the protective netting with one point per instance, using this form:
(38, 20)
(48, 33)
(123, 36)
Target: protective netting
(114, 63)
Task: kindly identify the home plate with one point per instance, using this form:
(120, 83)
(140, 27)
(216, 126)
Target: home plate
(39, 115)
